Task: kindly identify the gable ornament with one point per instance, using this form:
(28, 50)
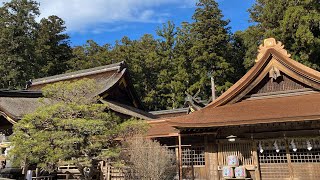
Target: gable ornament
(274, 73)
(268, 44)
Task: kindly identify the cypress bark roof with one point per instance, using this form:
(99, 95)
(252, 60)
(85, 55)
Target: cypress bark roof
(15, 104)
(101, 74)
(270, 110)
(161, 128)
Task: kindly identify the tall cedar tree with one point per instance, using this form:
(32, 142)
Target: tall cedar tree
(70, 128)
(17, 31)
(52, 47)
(89, 55)
(29, 49)
(210, 49)
(144, 65)
(169, 89)
(294, 23)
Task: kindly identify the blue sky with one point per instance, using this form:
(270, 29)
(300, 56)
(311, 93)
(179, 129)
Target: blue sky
(105, 21)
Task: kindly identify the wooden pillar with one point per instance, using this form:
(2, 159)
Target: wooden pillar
(207, 156)
(180, 157)
(212, 161)
(256, 161)
(215, 161)
(289, 160)
(177, 155)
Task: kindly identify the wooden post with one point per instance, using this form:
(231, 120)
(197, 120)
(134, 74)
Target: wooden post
(208, 157)
(256, 160)
(180, 157)
(192, 166)
(177, 155)
(108, 170)
(289, 160)
(215, 160)
(37, 172)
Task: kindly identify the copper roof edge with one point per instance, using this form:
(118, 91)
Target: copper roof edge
(20, 93)
(169, 111)
(111, 67)
(10, 117)
(153, 121)
(245, 122)
(163, 135)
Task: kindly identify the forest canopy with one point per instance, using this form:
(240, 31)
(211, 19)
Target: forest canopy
(182, 59)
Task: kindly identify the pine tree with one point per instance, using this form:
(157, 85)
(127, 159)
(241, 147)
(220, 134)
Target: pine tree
(70, 128)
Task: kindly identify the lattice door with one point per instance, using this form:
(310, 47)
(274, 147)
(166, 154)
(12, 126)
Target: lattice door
(274, 165)
(306, 163)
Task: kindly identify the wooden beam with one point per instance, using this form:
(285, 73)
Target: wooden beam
(277, 134)
(200, 134)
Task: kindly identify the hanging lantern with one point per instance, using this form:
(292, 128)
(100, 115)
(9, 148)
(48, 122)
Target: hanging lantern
(260, 147)
(276, 147)
(231, 138)
(309, 146)
(293, 145)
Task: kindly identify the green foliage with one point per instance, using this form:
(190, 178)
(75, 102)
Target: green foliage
(211, 39)
(17, 29)
(29, 49)
(294, 23)
(52, 47)
(71, 128)
(89, 55)
(142, 59)
(181, 60)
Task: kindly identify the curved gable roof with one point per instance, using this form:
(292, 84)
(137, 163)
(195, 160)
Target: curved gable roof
(226, 110)
(108, 77)
(272, 57)
(16, 103)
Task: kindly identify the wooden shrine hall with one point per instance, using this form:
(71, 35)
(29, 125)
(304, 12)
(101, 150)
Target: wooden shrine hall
(115, 90)
(269, 121)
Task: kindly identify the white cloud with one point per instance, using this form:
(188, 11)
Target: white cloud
(81, 15)
(84, 15)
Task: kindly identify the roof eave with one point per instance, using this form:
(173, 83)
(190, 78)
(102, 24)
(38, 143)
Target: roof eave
(244, 122)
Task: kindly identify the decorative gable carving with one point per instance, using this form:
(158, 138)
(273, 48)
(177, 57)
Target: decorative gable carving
(271, 43)
(274, 73)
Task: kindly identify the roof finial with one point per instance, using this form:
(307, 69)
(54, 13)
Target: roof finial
(271, 43)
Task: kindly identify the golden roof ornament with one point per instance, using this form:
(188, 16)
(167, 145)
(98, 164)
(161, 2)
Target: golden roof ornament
(271, 43)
